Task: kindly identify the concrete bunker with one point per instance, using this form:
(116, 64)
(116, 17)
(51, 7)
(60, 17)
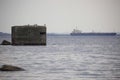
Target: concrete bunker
(29, 35)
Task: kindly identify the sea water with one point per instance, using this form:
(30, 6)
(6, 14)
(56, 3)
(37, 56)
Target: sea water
(64, 58)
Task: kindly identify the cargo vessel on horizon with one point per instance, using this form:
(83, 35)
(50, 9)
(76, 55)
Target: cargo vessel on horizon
(77, 32)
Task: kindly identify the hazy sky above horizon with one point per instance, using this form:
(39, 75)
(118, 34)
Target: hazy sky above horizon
(61, 16)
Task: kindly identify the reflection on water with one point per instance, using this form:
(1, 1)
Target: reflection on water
(65, 58)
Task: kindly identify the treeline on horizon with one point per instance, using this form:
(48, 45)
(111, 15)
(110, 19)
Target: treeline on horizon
(4, 34)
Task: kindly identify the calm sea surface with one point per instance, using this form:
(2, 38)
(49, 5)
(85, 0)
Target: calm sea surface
(64, 58)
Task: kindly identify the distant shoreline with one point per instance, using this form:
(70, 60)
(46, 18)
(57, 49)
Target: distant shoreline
(48, 34)
(4, 34)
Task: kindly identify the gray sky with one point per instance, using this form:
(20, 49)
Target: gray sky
(61, 16)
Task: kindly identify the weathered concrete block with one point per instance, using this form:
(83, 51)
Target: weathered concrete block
(29, 35)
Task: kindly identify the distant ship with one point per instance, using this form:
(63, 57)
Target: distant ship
(77, 32)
